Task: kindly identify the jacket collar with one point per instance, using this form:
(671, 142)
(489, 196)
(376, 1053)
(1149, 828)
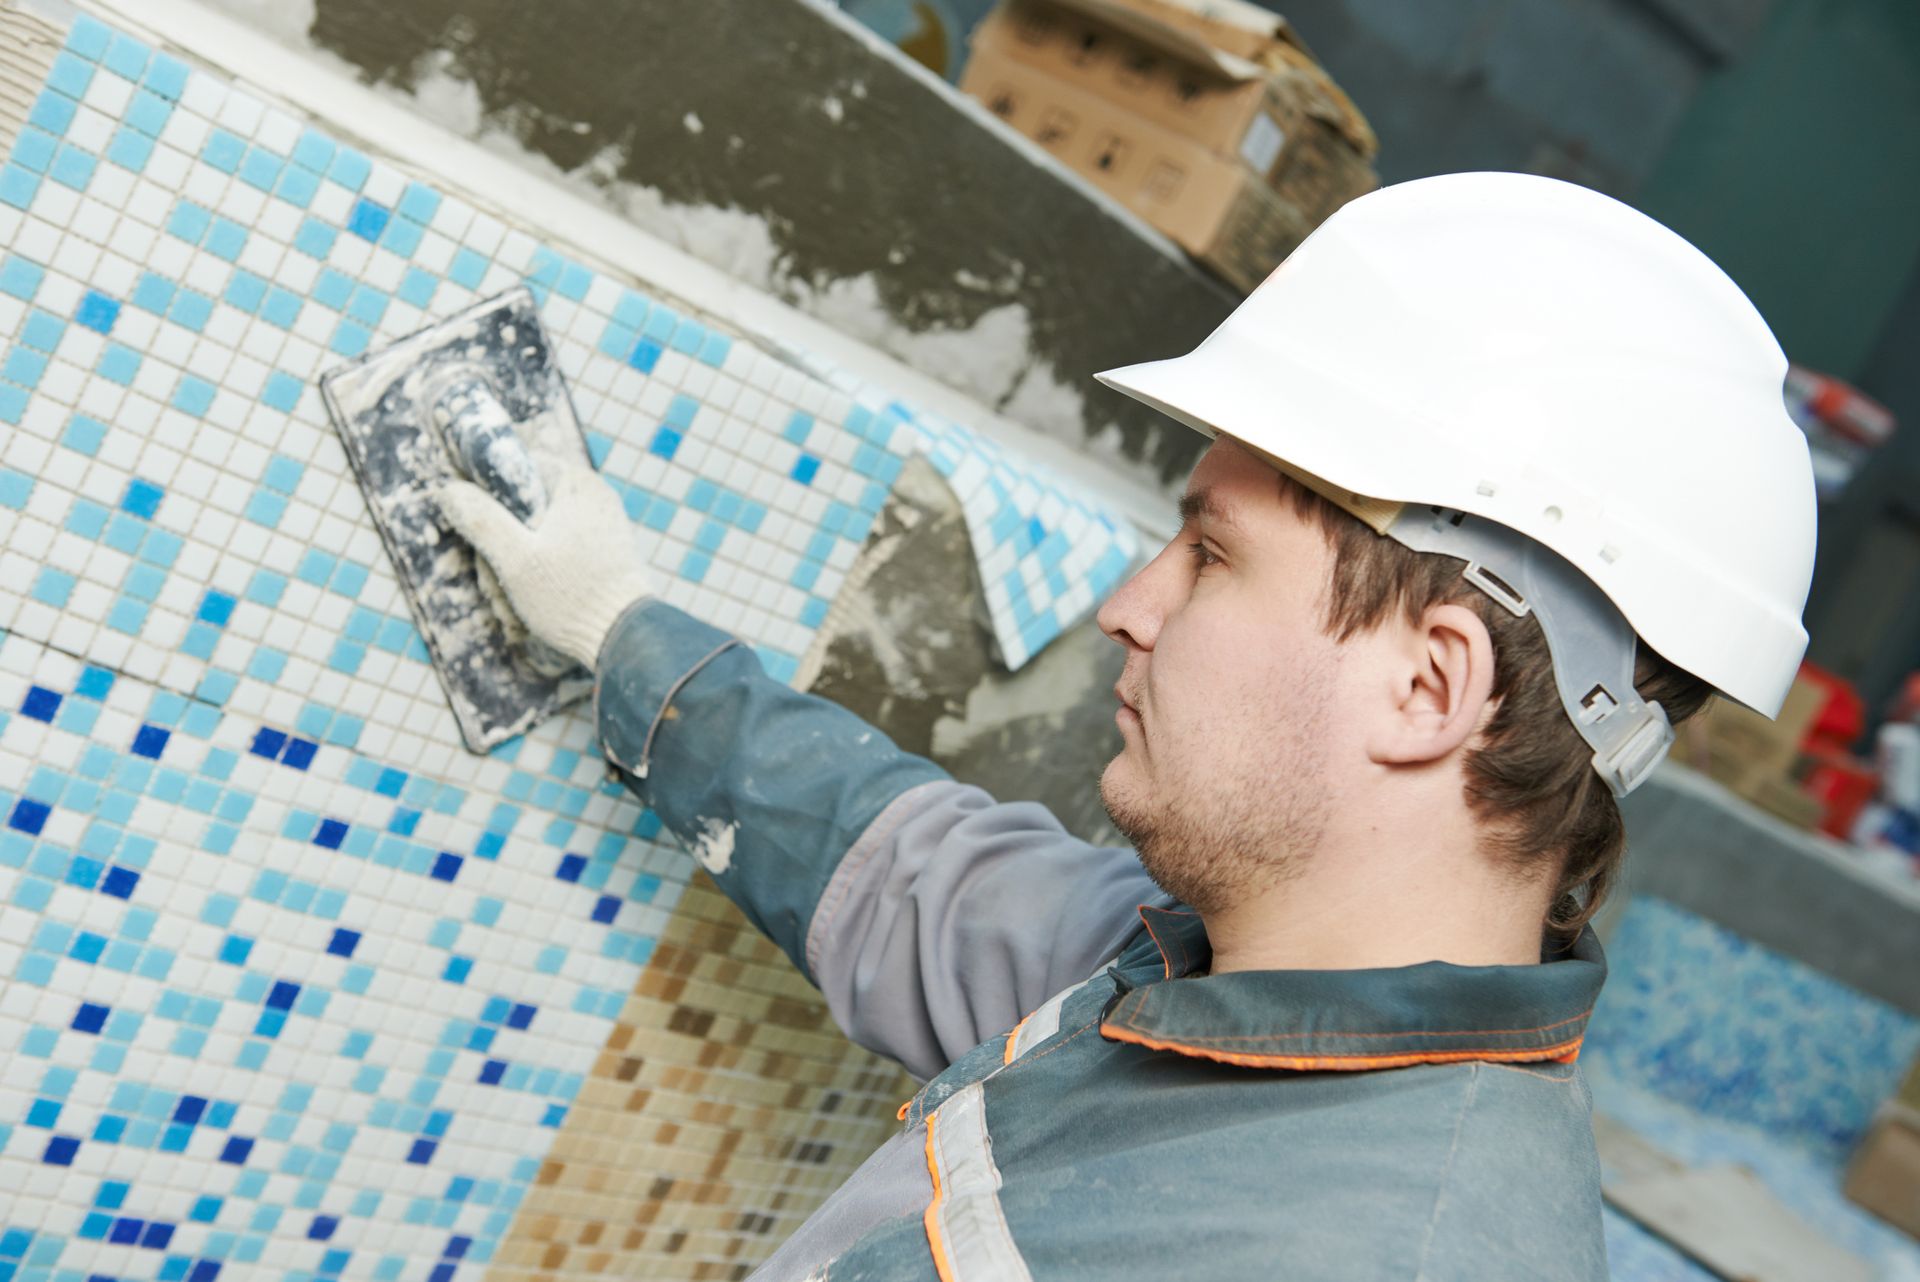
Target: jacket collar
(1390, 1017)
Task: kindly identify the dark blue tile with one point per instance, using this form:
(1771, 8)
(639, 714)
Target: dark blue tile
(605, 908)
(571, 866)
(126, 1230)
(41, 703)
(492, 1071)
(29, 816)
(447, 866)
(331, 833)
(285, 993)
(120, 882)
(60, 1150)
(322, 1227)
(343, 942)
(422, 1152)
(236, 1151)
(150, 741)
(90, 1018)
(190, 1109)
(299, 753)
(267, 742)
(522, 1015)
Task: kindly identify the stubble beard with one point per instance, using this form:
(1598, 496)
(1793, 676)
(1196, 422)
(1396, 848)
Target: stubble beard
(1214, 837)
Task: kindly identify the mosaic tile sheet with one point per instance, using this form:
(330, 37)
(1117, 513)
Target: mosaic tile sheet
(1048, 555)
(298, 987)
(1732, 1030)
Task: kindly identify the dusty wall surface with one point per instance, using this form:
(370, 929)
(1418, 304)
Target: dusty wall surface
(810, 159)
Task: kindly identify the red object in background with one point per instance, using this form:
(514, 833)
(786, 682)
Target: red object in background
(1843, 786)
(1906, 704)
(1842, 718)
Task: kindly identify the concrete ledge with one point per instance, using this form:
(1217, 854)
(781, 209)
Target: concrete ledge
(1697, 845)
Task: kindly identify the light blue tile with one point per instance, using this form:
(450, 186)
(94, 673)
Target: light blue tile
(35, 149)
(89, 37)
(148, 112)
(73, 167)
(283, 474)
(83, 434)
(24, 366)
(191, 310)
(368, 305)
(417, 289)
(420, 203)
(167, 76)
(246, 291)
(126, 56)
(189, 222)
(403, 236)
(223, 151)
(315, 239)
(314, 152)
(350, 168)
(282, 391)
(226, 238)
(281, 308)
(350, 338)
(261, 168)
(71, 75)
(53, 111)
(297, 186)
(118, 363)
(266, 508)
(18, 186)
(192, 395)
(467, 269)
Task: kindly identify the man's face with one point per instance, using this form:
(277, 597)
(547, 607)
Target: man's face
(1230, 690)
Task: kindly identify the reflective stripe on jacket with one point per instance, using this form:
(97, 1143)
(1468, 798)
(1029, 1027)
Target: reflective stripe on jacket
(1097, 1106)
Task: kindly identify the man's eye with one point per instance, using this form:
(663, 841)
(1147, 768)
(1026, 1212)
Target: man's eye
(1202, 558)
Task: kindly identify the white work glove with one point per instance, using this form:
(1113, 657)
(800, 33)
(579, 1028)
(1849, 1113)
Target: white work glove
(573, 572)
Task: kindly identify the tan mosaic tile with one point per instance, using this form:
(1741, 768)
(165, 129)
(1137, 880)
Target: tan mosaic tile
(722, 1110)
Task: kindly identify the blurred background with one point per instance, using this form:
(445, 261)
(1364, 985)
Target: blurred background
(996, 199)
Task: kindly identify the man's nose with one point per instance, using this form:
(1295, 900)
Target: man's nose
(1131, 616)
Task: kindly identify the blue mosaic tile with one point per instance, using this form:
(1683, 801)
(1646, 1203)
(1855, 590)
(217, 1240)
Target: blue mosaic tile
(197, 769)
(1769, 1042)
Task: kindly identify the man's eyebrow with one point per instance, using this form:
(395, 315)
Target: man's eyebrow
(1195, 504)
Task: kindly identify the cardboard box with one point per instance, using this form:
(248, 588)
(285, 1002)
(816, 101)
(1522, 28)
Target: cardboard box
(1754, 756)
(1265, 39)
(1236, 158)
(1216, 209)
(1884, 1176)
(1176, 81)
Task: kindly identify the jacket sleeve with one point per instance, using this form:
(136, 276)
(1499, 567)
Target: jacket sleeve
(930, 916)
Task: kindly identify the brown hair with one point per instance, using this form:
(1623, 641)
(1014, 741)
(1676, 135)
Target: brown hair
(1531, 782)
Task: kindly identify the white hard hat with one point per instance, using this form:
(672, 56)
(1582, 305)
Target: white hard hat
(1536, 354)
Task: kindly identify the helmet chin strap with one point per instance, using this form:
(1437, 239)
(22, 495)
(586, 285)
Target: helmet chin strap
(1590, 640)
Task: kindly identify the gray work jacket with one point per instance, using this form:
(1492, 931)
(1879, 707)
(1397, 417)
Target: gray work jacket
(1097, 1106)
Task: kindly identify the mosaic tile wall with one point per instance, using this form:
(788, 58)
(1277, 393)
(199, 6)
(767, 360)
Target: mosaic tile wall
(1734, 1031)
(290, 984)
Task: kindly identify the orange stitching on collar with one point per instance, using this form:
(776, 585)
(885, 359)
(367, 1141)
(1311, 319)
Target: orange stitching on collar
(1411, 1032)
(1566, 1052)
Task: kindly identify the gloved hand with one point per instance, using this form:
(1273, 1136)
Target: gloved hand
(569, 575)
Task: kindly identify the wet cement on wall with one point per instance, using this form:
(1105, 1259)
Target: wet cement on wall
(862, 172)
(906, 646)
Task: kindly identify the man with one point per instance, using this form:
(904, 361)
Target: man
(1380, 695)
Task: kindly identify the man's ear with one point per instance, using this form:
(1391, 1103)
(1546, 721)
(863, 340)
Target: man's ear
(1441, 687)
